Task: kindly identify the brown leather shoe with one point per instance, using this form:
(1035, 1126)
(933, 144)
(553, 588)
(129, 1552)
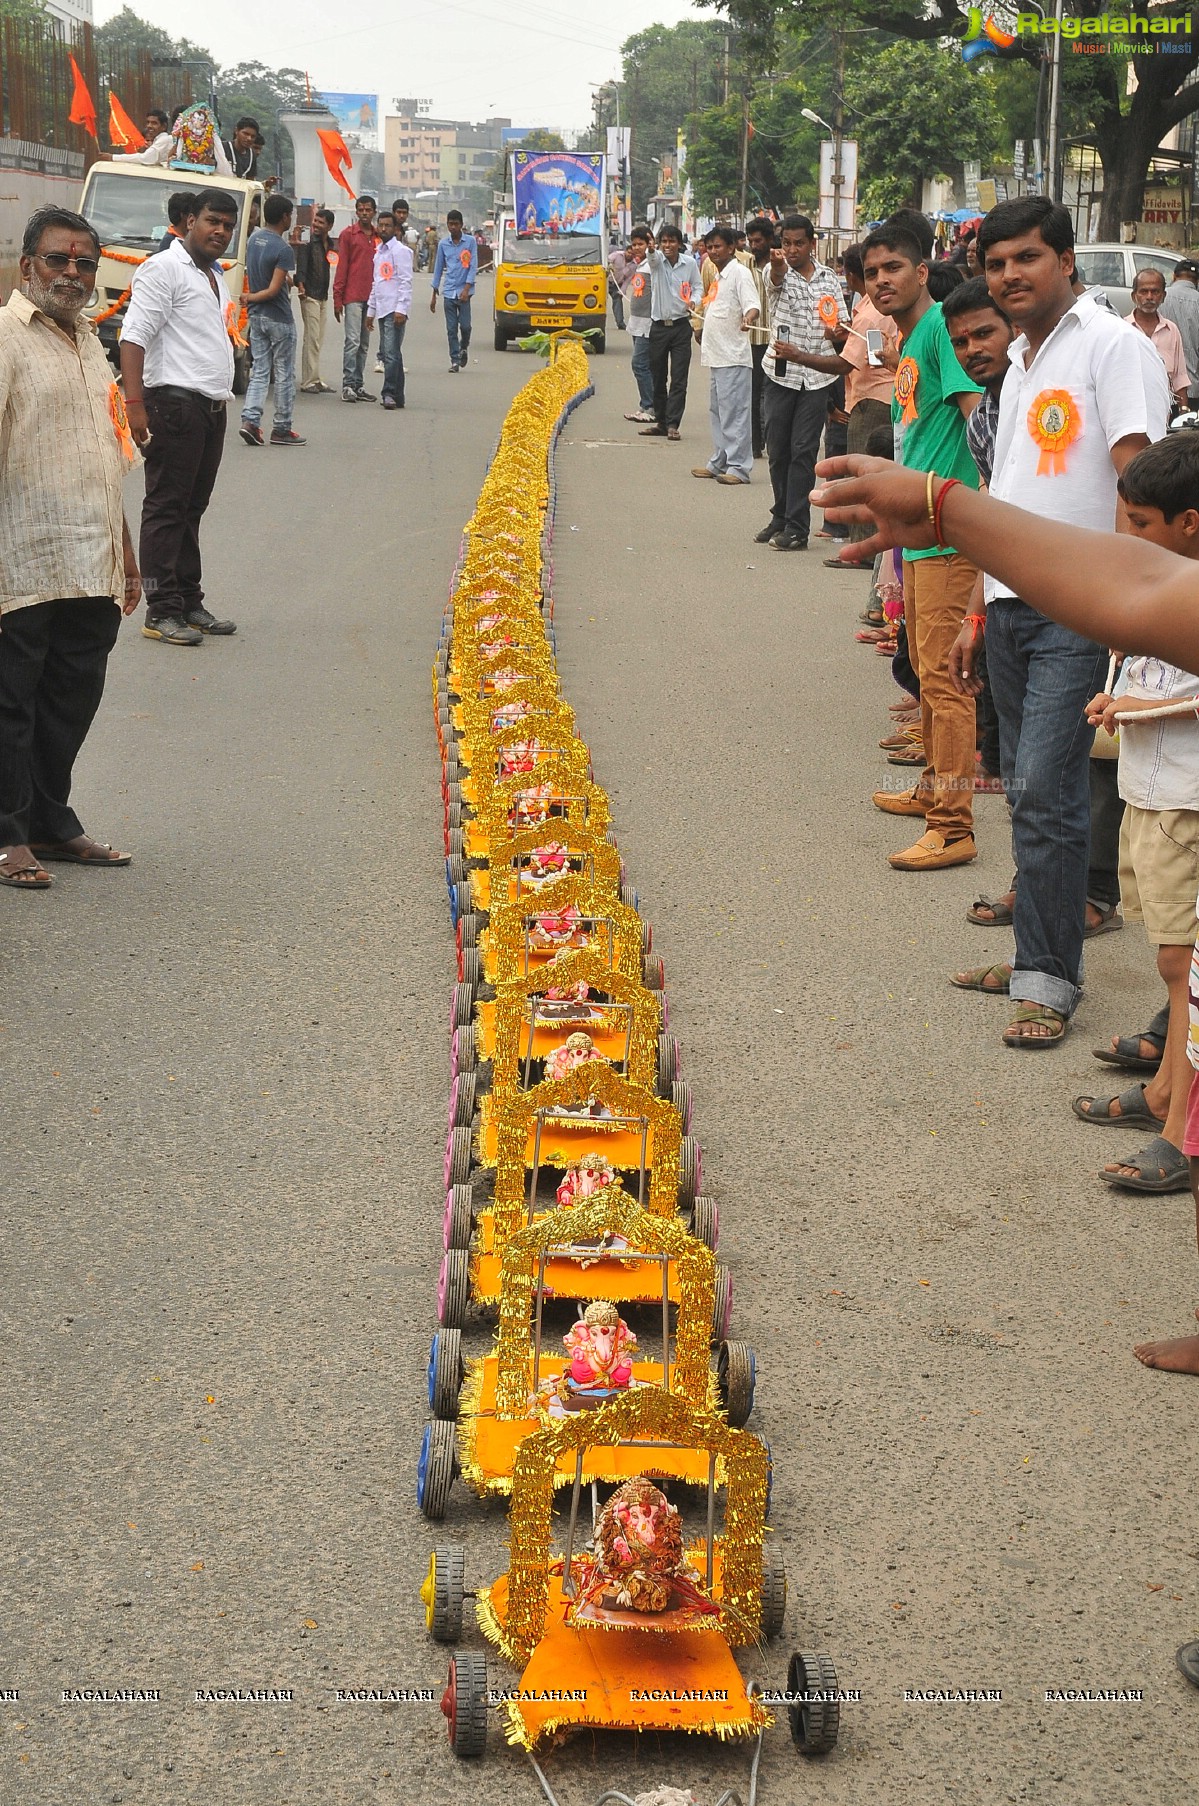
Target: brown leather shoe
(900, 802)
(701, 470)
(933, 853)
(730, 477)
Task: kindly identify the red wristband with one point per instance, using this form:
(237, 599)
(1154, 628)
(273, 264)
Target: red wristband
(939, 503)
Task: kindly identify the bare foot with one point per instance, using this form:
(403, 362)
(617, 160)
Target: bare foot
(1180, 1354)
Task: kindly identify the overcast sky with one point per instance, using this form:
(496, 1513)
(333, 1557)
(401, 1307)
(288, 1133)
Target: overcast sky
(532, 60)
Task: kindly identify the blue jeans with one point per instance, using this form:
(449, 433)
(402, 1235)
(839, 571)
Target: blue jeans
(353, 356)
(273, 349)
(643, 376)
(1042, 677)
(391, 339)
(457, 326)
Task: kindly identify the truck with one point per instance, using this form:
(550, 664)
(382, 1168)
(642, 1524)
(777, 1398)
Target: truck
(551, 264)
(126, 202)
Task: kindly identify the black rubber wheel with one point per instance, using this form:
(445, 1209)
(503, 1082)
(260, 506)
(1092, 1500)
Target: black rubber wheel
(446, 1374)
(722, 1305)
(435, 1470)
(688, 1172)
(457, 846)
(464, 1006)
(449, 1592)
(464, 1039)
(456, 869)
(705, 1222)
(453, 811)
(668, 1063)
(469, 920)
(597, 347)
(465, 1086)
(472, 968)
(465, 1702)
(461, 1157)
(647, 939)
(654, 974)
(815, 1719)
(453, 1289)
(680, 1097)
(459, 1218)
(736, 1372)
(774, 1592)
(501, 339)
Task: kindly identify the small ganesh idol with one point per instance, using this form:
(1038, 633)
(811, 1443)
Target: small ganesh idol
(558, 929)
(520, 757)
(635, 1563)
(508, 714)
(599, 1348)
(545, 865)
(577, 1050)
(532, 806)
(584, 1178)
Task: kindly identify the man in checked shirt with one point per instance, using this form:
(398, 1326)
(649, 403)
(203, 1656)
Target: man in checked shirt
(805, 299)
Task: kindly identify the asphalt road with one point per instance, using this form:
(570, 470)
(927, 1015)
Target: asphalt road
(225, 1085)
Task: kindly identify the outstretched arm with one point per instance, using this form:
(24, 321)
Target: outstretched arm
(1111, 587)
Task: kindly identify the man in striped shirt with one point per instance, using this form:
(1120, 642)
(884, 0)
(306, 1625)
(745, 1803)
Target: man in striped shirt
(805, 299)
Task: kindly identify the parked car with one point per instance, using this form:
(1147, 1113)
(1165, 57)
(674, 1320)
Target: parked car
(1114, 268)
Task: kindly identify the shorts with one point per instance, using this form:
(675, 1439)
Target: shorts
(1190, 1135)
(1159, 872)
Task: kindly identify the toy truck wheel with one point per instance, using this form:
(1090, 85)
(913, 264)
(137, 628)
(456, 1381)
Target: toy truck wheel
(435, 1470)
(472, 968)
(722, 1305)
(647, 938)
(457, 844)
(469, 919)
(736, 1374)
(690, 1169)
(628, 896)
(668, 1063)
(465, 1056)
(447, 1571)
(453, 812)
(453, 787)
(458, 1158)
(654, 974)
(705, 1222)
(446, 1374)
(680, 1097)
(774, 1593)
(459, 1219)
(465, 1699)
(815, 1721)
(462, 1100)
(455, 869)
(464, 1006)
(453, 1288)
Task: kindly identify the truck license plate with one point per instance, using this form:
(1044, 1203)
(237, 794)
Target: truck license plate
(549, 319)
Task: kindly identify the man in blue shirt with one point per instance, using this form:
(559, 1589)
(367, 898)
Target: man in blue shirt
(676, 290)
(270, 263)
(454, 269)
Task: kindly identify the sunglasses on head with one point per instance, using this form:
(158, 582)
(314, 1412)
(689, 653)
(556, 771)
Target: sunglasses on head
(58, 261)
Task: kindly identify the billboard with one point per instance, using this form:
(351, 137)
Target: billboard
(557, 192)
(357, 117)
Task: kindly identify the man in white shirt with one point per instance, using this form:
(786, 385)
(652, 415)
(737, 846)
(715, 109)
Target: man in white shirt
(177, 366)
(160, 142)
(390, 304)
(730, 308)
(1182, 306)
(1081, 399)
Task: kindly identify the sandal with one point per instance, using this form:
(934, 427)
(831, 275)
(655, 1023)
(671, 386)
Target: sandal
(976, 980)
(1126, 1053)
(1030, 1015)
(1134, 1111)
(1110, 920)
(24, 877)
(1159, 1167)
(83, 850)
(999, 914)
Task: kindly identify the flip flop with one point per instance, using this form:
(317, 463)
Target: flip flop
(81, 851)
(1160, 1167)
(24, 877)
(1134, 1111)
(1029, 1013)
(975, 980)
(1110, 921)
(1124, 1053)
(1001, 915)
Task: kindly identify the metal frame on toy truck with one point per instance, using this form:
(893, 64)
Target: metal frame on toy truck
(556, 751)
(600, 865)
(119, 259)
(500, 1032)
(496, 824)
(505, 953)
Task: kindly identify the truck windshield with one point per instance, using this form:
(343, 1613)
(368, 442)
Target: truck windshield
(564, 247)
(126, 211)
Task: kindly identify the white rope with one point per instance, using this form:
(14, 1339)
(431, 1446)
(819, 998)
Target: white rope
(1186, 705)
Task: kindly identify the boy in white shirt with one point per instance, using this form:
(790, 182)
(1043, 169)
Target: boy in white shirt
(730, 308)
(1159, 840)
(390, 304)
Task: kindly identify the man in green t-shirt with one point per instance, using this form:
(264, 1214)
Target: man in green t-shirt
(933, 396)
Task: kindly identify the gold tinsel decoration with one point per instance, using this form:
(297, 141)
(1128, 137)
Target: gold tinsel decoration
(506, 929)
(580, 967)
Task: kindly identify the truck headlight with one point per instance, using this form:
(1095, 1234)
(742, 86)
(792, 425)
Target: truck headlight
(511, 299)
(590, 301)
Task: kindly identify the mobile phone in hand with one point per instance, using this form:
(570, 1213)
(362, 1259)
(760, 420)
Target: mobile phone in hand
(780, 363)
(874, 346)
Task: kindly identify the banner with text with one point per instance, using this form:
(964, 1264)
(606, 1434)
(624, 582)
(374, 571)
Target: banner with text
(557, 193)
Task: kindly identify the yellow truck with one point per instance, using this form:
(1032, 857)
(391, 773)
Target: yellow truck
(126, 202)
(553, 271)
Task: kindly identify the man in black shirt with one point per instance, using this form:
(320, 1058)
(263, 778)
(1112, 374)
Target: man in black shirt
(242, 148)
(312, 281)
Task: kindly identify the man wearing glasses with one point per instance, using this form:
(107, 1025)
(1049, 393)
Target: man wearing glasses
(67, 566)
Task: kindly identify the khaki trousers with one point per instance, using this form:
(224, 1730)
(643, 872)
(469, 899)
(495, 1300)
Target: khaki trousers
(936, 595)
(312, 313)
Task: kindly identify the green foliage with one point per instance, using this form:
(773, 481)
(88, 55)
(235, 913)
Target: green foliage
(671, 73)
(22, 9)
(915, 112)
(784, 152)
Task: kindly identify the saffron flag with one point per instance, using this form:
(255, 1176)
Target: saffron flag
(121, 129)
(335, 153)
(83, 108)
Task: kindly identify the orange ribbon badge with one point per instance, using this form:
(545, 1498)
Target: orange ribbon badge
(906, 378)
(464, 259)
(1054, 423)
(120, 422)
(638, 286)
(828, 310)
(710, 293)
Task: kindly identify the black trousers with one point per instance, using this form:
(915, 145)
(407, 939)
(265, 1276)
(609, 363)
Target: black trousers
(53, 660)
(670, 346)
(757, 353)
(794, 423)
(182, 459)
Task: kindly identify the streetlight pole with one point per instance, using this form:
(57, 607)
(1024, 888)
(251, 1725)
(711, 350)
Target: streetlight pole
(1053, 178)
(838, 137)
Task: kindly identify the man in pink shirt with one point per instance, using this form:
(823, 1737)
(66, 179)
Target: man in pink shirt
(1148, 293)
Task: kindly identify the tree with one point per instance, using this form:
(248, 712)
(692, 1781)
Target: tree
(670, 74)
(936, 112)
(784, 152)
(539, 139)
(260, 93)
(22, 9)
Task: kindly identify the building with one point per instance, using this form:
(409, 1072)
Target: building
(67, 14)
(451, 157)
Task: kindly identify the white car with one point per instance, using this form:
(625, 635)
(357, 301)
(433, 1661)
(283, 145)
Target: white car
(1114, 268)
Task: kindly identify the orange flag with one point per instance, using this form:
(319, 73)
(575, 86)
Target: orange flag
(333, 146)
(83, 108)
(121, 128)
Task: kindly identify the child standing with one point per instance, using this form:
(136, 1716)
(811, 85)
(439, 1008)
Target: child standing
(1159, 838)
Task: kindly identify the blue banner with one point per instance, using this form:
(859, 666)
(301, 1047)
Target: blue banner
(557, 194)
